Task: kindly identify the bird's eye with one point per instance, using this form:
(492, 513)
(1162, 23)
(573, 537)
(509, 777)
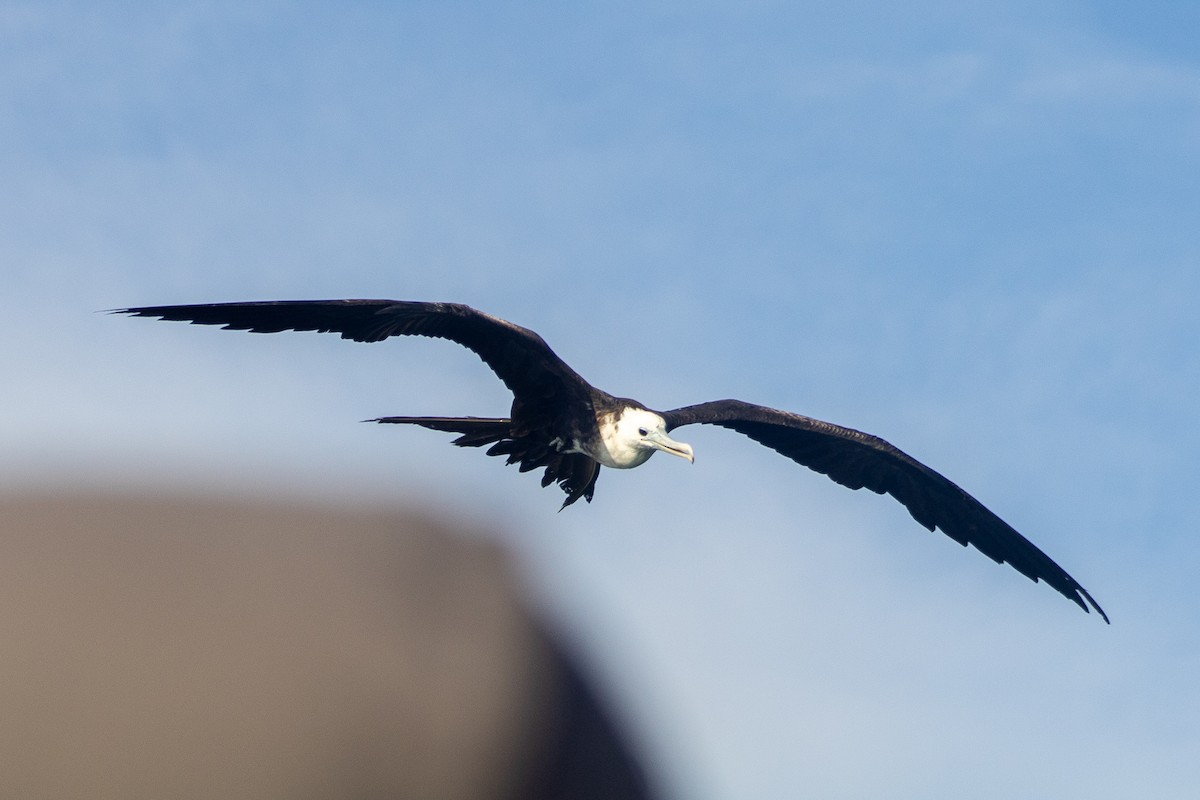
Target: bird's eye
(642, 431)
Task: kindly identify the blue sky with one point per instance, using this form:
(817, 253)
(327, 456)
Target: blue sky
(967, 227)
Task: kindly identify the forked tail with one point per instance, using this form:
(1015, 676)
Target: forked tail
(574, 473)
(476, 431)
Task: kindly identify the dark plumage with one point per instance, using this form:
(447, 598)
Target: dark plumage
(565, 426)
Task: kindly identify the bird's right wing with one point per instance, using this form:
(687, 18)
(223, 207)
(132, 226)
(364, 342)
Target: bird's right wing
(518, 356)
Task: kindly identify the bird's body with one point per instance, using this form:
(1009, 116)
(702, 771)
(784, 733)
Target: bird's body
(565, 426)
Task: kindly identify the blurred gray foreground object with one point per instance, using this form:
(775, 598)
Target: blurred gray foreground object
(194, 648)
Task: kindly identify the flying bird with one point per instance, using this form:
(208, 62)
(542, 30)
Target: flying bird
(563, 425)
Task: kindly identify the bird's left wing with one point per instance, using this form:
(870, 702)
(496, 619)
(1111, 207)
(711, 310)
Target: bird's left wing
(857, 460)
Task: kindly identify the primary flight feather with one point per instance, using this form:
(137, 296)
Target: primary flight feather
(562, 424)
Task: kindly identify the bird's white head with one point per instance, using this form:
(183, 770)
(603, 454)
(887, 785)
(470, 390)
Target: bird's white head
(633, 435)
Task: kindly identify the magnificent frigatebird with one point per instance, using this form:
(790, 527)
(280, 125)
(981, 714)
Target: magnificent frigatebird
(561, 423)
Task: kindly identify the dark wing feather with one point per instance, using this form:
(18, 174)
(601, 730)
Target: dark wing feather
(521, 358)
(547, 394)
(857, 460)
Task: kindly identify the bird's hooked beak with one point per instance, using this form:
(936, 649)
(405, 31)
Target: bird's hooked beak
(660, 441)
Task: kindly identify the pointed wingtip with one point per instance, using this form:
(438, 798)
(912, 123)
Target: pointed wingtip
(1094, 605)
